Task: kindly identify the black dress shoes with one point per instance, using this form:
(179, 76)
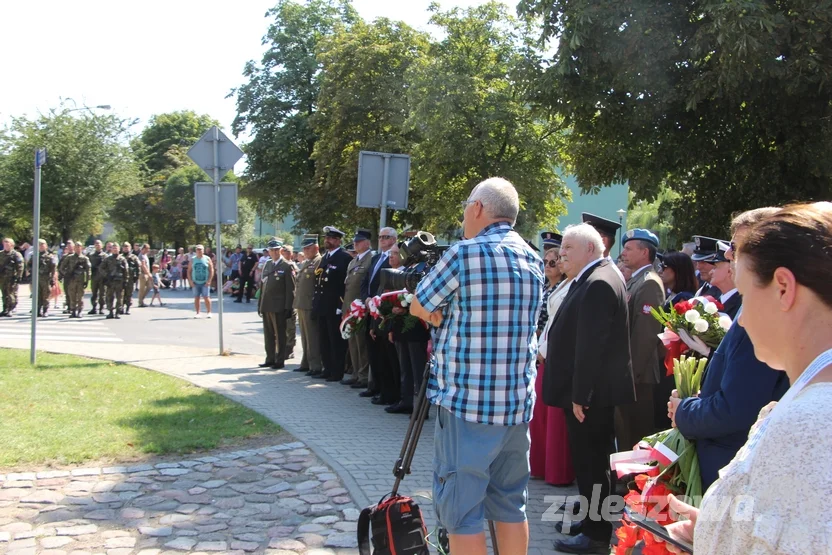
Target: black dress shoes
(368, 393)
(348, 381)
(265, 364)
(379, 400)
(334, 379)
(399, 408)
(582, 544)
(323, 376)
(359, 385)
(574, 527)
(278, 365)
(301, 370)
(314, 373)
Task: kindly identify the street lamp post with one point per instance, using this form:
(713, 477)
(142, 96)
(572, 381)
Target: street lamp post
(620, 213)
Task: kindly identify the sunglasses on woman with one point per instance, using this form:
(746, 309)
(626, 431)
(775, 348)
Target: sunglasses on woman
(552, 263)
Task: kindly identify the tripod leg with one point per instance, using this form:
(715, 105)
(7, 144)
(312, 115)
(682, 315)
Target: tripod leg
(414, 431)
(493, 531)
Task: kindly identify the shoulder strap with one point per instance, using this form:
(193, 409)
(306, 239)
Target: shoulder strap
(364, 531)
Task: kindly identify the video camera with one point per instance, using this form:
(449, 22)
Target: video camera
(419, 254)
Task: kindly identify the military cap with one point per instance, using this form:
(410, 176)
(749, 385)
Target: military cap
(706, 247)
(362, 235)
(309, 239)
(602, 225)
(350, 248)
(332, 231)
(532, 246)
(551, 239)
(641, 235)
(274, 243)
(719, 256)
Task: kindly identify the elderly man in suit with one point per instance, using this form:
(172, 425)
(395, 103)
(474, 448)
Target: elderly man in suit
(277, 295)
(644, 292)
(387, 237)
(328, 304)
(591, 374)
(357, 270)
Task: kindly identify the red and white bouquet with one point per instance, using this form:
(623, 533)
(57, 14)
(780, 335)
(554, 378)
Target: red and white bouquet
(694, 325)
(354, 320)
(381, 306)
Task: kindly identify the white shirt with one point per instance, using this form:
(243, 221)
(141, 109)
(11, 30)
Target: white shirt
(725, 296)
(617, 271)
(637, 272)
(587, 267)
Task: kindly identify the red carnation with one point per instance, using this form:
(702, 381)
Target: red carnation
(682, 306)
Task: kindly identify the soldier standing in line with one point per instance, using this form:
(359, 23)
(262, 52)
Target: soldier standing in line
(115, 273)
(63, 273)
(78, 279)
(11, 272)
(292, 324)
(304, 293)
(46, 277)
(358, 268)
(97, 283)
(277, 294)
(132, 276)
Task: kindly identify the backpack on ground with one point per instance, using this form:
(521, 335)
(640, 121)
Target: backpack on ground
(397, 528)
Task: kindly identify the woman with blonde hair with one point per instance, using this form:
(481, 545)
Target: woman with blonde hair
(772, 497)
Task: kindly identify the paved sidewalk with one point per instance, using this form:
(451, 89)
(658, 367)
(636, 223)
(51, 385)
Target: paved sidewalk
(357, 439)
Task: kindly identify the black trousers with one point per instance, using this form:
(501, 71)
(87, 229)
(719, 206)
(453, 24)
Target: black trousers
(333, 346)
(413, 355)
(389, 373)
(247, 284)
(591, 443)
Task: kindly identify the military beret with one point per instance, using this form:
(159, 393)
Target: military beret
(641, 235)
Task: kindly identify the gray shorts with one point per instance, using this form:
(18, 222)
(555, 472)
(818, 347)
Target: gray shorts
(480, 472)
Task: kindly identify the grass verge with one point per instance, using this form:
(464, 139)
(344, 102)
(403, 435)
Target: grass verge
(72, 409)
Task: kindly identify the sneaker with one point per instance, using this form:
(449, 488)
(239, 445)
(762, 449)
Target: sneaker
(196, 315)
(208, 316)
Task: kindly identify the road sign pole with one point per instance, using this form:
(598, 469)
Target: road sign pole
(36, 257)
(384, 187)
(218, 247)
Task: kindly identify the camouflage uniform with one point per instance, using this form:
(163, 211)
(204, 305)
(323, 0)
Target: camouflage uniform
(11, 271)
(97, 284)
(115, 272)
(129, 283)
(79, 276)
(46, 279)
(63, 276)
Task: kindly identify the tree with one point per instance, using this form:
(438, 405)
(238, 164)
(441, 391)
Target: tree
(164, 143)
(88, 167)
(657, 216)
(471, 109)
(727, 103)
(362, 105)
(276, 104)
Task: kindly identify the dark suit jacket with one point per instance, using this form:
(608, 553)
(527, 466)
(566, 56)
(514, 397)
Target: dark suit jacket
(736, 387)
(329, 290)
(589, 344)
(370, 287)
(732, 305)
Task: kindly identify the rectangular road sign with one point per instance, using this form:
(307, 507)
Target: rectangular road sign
(204, 196)
(371, 180)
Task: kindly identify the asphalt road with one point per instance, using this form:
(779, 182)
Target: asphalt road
(171, 324)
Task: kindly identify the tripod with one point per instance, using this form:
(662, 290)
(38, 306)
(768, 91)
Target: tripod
(411, 440)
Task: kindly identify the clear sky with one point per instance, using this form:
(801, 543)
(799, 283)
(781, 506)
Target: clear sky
(145, 57)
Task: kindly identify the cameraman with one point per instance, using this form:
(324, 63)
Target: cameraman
(484, 298)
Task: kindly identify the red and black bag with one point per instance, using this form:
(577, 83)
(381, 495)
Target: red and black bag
(397, 528)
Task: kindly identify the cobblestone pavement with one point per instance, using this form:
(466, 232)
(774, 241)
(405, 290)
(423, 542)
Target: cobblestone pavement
(357, 439)
(279, 500)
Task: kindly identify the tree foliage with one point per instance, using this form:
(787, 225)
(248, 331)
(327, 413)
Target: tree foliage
(88, 167)
(727, 103)
(277, 103)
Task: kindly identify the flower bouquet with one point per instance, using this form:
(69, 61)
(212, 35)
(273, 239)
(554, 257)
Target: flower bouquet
(381, 306)
(691, 325)
(354, 320)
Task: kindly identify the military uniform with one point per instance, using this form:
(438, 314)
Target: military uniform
(79, 276)
(46, 279)
(357, 344)
(133, 266)
(277, 295)
(328, 301)
(292, 324)
(11, 272)
(97, 284)
(63, 275)
(115, 273)
(304, 293)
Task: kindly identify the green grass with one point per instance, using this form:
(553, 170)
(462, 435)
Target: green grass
(71, 410)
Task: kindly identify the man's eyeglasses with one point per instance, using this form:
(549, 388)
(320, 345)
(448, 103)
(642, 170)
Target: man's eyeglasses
(465, 203)
(385, 237)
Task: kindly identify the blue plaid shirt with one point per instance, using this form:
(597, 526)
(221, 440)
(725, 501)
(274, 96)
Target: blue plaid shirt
(489, 290)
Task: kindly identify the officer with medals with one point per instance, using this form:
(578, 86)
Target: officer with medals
(329, 294)
(304, 295)
(277, 295)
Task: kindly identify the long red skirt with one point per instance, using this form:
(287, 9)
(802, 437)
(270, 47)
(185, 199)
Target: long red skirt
(549, 455)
